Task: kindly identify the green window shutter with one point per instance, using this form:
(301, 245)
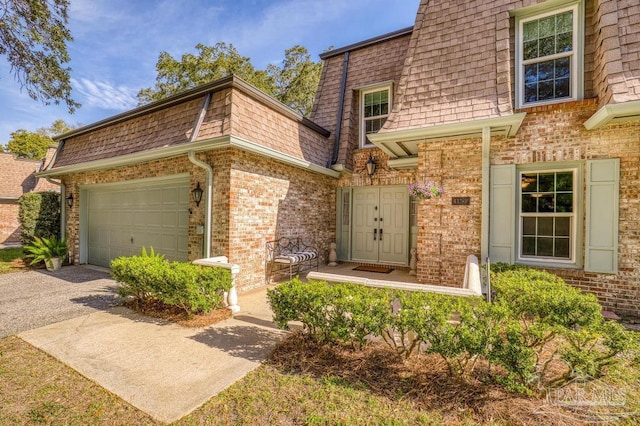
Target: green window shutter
(502, 213)
(601, 245)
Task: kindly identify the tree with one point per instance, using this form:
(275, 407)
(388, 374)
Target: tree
(26, 144)
(294, 82)
(297, 80)
(34, 36)
(58, 127)
(211, 63)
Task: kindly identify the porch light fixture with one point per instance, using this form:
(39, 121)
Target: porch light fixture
(70, 200)
(196, 193)
(371, 166)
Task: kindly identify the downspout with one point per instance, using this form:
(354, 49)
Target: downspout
(486, 187)
(209, 171)
(343, 88)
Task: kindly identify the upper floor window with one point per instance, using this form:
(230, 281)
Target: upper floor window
(549, 56)
(375, 107)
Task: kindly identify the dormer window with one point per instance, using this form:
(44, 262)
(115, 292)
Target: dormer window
(549, 57)
(375, 106)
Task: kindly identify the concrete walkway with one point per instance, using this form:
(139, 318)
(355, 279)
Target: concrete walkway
(163, 369)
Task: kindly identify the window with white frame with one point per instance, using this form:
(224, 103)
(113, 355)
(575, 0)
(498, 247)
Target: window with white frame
(375, 106)
(549, 56)
(548, 215)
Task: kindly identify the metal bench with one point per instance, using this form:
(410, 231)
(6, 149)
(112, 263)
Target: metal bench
(290, 254)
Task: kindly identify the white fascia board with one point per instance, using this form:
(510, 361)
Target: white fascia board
(403, 163)
(182, 149)
(507, 126)
(619, 112)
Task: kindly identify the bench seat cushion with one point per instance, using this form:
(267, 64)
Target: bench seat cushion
(296, 257)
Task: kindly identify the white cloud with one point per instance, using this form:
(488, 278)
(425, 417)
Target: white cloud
(103, 95)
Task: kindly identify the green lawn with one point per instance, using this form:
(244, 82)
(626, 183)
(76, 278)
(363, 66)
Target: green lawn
(10, 259)
(301, 384)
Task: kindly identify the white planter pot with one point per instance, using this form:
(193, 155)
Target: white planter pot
(53, 264)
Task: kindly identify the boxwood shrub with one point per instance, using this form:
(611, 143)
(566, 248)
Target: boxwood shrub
(194, 289)
(536, 321)
(39, 216)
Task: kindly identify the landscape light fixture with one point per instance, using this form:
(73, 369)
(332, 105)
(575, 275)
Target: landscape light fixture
(371, 166)
(196, 193)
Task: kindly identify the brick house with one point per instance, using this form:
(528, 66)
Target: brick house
(526, 112)
(18, 178)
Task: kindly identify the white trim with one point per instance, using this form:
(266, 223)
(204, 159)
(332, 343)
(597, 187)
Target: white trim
(577, 54)
(378, 87)
(182, 149)
(575, 216)
(403, 163)
(613, 113)
(390, 141)
(143, 182)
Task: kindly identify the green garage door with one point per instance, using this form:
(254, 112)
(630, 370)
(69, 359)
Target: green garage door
(121, 219)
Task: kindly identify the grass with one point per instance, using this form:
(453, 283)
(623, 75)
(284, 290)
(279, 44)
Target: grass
(11, 259)
(302, 383)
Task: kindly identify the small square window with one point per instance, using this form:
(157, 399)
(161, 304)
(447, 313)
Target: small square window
(376, 105)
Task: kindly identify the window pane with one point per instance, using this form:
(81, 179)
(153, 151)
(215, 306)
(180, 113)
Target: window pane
(368, 111)
(530, 31)
(530, 49)
(368, 99)
(562, 69)
(546, 203)
(565, 203)
(545, 247)
(528, 203)
(562, 88)
(531, 92)
(529, 226)
(546, 182)
(564, 42)
(545, 90)
(547, 46)
(564, 181)
(547, 26)
(562, 248)
(562, 226)
(545, 226)
(564, 22)
(545, 71)
(529, 183)
(376, 110)
(528, 246)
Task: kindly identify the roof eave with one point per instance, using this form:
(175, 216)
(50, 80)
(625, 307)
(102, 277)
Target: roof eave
(622, 112)
(368, 42)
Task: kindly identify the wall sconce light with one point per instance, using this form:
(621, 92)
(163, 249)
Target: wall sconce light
(70, 200)
(371, 166)
(196, 193)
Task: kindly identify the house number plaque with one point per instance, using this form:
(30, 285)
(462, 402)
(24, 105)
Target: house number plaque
(460, 201)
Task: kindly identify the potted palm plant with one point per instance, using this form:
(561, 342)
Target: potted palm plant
(51, 251)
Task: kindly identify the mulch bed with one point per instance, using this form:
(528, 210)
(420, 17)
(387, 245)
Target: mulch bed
(421, 380)
(157, 309)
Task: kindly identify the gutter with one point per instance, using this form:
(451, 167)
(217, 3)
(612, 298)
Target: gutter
(343, 87)
(209, 171)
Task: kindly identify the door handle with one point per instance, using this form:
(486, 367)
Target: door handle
(380, 234)
(375, 232)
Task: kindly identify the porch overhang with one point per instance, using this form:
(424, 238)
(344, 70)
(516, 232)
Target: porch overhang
(613, 113)
(221, 142)
(404, 143)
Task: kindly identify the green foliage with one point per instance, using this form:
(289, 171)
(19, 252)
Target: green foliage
(294, 82)
(44, 249)
(31, 145)
(34, 36)
(58, 127)
(194, 289)
(39, 215)
(537, 321)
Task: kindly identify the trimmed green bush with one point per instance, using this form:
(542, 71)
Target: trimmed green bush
(39, 216)
(194, 289)
(536, 321)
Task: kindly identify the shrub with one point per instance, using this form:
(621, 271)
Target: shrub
(193, 288)
(44, 249)
(39, 216)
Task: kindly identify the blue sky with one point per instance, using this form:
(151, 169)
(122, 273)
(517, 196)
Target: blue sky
(117, 43)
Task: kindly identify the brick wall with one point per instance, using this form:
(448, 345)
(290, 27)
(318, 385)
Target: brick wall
(555, 133)
(269, 200)
(368, 65)
(9, 223)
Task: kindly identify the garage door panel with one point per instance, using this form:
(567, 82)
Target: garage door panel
(155, 214)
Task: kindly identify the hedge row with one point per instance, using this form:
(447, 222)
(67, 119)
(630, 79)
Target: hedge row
(39, 216)
(194, 289)
(536, 321)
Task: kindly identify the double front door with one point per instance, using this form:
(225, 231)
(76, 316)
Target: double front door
(380, 229)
